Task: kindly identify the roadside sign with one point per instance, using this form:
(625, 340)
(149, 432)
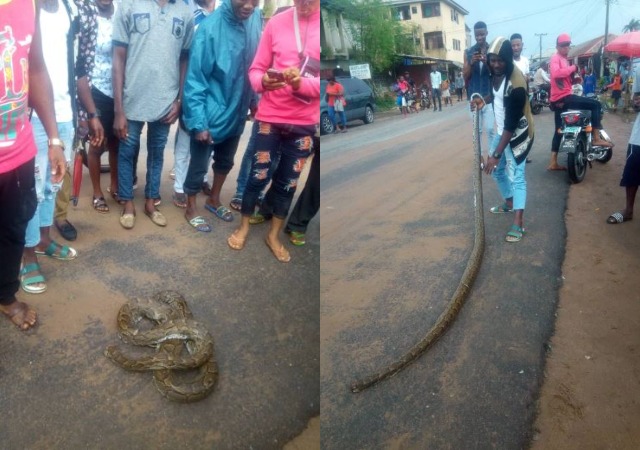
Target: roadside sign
(361, 71)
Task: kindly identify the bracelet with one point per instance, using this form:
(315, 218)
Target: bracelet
(55, 142)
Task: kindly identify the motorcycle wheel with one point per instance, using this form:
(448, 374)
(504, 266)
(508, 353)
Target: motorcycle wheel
(536, 108)
(577, 161)
(606, 157)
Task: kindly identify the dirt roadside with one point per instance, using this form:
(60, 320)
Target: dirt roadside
(589, 397)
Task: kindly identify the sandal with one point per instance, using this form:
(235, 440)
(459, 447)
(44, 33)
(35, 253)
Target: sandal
(199, 223)
(180, 199)
(500, 209)
(297, 238)
(35, 284)
(65, 252)
(221, 212)
(19, 313)
(100, 205)
(514, 234)
(115, 196)
(235, 242)
(617, 217)
(236, 203)
(281, 254)
(256, 218)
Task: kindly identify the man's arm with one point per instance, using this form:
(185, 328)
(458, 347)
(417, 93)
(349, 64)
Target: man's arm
(41, 99)
(117, 77)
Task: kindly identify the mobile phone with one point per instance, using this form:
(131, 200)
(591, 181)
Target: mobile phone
(275, 75)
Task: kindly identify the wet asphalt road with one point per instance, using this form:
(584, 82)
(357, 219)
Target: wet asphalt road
(397, 230)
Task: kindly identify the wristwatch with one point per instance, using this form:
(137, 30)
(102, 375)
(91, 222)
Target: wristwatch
(92, 115)
(56, 142)
(496, 155)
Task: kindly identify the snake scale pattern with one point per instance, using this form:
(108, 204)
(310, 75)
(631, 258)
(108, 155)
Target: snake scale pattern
(183, 365)
(462, 291)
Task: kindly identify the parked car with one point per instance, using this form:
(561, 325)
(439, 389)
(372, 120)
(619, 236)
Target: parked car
(360, 102)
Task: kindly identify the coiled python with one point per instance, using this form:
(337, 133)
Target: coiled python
(174, 331)
(460, 295)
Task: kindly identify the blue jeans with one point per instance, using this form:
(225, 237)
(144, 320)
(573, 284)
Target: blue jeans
(332, 117)
(45, 189)
(245, 165)
(293, 143)
(509, 176)
(157, 133)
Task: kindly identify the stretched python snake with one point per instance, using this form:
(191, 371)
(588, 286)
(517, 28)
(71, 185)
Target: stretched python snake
(460, 295)
(174, 331)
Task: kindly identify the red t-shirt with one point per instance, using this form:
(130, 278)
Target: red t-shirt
(17, 25)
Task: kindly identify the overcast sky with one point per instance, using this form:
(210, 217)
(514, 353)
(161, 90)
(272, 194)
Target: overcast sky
(582, 19)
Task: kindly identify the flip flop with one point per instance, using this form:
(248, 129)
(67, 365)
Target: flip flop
(297, 238)
(281, 254)
(515, 234)
(221, 212)
(66, 253)
(617, 217)
(100, 205)
(235, 242)
(18, 313)
(236, 203)
(199, 223)
(500, 209)
(27, 283)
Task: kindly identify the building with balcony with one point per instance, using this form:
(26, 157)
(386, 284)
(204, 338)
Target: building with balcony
(443, 34)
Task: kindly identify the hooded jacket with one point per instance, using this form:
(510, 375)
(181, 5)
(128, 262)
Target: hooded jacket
(518, 118)
(217, 92)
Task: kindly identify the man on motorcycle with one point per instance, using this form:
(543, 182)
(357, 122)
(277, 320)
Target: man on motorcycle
(541, 78)
(562, 74)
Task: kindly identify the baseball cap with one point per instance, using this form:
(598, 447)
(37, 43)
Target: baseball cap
(564, 38)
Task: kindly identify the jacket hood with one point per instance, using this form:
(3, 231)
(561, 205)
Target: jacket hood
(502, 47)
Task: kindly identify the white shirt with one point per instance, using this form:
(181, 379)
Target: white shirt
(523, 65)
(498, 106)
(54, 28)
(436, 80)
(541, 77)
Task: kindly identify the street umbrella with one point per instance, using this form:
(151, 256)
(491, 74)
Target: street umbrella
(627, 44)
(77, 172)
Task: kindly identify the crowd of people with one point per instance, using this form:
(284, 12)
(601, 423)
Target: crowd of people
(91, 72)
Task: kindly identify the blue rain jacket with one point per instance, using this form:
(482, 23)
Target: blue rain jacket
(217, 92)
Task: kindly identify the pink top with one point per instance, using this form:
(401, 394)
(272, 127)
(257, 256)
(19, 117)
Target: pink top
(278, 44)
(16, 136)
(561, 73)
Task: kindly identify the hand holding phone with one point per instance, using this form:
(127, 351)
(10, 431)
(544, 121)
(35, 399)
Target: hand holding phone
(275, 75)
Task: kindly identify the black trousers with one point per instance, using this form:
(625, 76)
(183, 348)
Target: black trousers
(575, 102)
(308, 203)
(18, 203)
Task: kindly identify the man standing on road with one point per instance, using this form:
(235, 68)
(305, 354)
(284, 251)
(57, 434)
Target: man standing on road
(521, 62)
(220, 57)
(436, 81)
(514, 134)
(476, 74)
(30, 85)
(562, 74)
(459, 83)
(631, 172)
(151, 41)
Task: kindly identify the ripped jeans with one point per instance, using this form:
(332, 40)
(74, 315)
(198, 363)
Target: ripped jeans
(293, 143)
(45, 189)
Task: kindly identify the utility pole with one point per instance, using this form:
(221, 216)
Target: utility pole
(606, 35)
(541, 34)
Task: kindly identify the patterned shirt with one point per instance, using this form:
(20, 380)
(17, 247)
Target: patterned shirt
(101, 75)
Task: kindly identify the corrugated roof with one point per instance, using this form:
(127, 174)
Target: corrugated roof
(589, 48)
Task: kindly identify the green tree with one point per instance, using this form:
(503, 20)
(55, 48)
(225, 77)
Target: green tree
(633, 25)
(376, 33)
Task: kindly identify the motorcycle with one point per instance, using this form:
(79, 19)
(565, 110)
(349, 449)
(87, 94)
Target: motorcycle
(425, 99)
(539, 98)
(576, 142)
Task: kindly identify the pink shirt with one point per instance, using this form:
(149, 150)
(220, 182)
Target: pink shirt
(16, 136)
(278, 44)
(561, 71)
